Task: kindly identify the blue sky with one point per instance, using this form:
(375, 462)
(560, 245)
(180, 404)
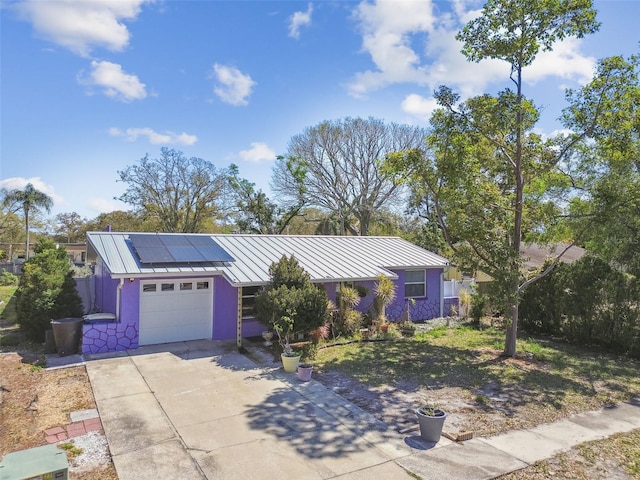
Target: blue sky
(89, 87)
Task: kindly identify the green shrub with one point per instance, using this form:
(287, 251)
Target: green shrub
(8, 279)
(291, 304)
(478, 307)
(588, 302)
(46, 290)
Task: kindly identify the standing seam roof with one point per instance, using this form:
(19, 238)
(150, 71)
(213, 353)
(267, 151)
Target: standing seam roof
(325, 258)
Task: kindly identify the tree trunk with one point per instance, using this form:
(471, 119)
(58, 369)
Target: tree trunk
(512, 327)
(26, 225)
(512, 332)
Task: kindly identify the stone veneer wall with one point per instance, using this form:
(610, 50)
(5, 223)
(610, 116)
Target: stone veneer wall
(451, 302)
(109, 337)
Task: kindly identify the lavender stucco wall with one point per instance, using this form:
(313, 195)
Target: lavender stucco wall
(420, 309)
(101, 337)
(225, 309)
(124, 333)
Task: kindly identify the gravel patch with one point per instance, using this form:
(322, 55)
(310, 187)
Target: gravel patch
(95, 451)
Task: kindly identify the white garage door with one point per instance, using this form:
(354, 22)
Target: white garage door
(176, 310)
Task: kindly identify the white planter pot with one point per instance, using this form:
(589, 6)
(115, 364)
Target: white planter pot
(431, 425)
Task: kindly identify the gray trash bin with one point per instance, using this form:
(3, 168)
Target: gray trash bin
(67, 333)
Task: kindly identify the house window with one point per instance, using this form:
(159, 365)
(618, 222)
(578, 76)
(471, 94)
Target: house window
(202, 286)
(415, 284)
(249, 301)
(186, 286)
(149, 287)
(167, 287)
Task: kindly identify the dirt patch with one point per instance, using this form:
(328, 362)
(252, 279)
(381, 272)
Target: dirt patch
(489, 409)
(33, 399)
(493, 409)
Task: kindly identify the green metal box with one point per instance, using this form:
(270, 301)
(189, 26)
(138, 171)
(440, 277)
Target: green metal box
(39, 463)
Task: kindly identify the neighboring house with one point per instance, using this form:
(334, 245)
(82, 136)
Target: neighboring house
(533, 255)
(162, 288)
(77, 252)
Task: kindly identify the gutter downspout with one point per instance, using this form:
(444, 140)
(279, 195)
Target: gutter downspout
(442, 293)
(239, 319)
(118, 297)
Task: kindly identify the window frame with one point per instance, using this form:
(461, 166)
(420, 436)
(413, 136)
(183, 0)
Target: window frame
(423, 283)
(251, 297)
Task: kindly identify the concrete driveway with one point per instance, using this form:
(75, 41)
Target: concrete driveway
(201, 410)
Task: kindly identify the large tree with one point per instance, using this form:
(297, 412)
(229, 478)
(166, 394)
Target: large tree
(30, 200)
(490, 179)
(254, 212)
(608, 209)
(181, 193)
(69, 227)
(121, 221)
(340, 163)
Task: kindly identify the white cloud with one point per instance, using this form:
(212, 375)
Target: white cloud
(259, 152)
(298, 20)
(155, 138)
(386, 27)
(18, 183)
(233, 86)
(418, 106)
(564, 61)
(393, 31)
(114, 81)
(81, 26)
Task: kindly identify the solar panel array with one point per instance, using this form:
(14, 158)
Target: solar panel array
(172, 248)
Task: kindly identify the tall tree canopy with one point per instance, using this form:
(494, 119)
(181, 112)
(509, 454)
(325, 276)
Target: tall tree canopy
(180, 192)
(29, 200)
(121, 221)
(339, 161)
(254, 212)
(608, 209)
(490, 179)
(69, 227)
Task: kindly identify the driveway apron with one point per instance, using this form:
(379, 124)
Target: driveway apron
(201, 410)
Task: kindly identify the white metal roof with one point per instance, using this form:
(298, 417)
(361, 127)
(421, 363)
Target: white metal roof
(325, 258)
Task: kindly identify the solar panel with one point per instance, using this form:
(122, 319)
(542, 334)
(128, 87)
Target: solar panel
(186, 254)
(178, 248)
(154, 255)
(210, 249)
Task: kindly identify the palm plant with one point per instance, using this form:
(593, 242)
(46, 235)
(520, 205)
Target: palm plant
(31, 200)
(384, 295)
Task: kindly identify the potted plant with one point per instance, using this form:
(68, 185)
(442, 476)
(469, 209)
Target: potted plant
(304, 372)
(408, 329)
(431, 420)
(283, 327)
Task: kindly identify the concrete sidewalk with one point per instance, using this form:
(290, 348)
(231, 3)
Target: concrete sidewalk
(201, 410)
(486, 458)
